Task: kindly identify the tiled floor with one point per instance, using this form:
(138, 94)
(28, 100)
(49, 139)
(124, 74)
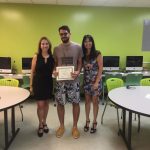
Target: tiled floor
(106, 137)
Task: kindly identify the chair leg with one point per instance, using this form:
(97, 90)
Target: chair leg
(21, 112)
(103, 112)
(139, 124)
(103, 96)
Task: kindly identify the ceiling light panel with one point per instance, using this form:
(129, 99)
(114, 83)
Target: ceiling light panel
(44, 1)
(69, 2)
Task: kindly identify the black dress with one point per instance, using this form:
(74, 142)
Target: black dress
(42, 79)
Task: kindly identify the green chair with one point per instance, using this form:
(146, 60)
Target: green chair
(145, 82)
(11, 82)
(107, 76)
(112, 83)
(133, 79)
(26, 82)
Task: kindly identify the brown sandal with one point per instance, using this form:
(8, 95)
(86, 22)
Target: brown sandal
(93, 129)
(86, 127)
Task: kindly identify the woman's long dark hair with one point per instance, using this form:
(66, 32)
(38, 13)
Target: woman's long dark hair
(93, 53)
(39, 46)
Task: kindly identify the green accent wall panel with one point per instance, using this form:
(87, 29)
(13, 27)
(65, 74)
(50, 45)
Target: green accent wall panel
(116, 30)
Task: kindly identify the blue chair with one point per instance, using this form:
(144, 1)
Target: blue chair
(26, 82)
(133, 79)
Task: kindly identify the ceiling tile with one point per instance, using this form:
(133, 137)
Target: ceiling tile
(93, 2)
(123, 3)
(139, 4)
(2, 1)
(18, 1)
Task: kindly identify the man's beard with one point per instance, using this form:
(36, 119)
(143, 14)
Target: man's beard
(65, 40)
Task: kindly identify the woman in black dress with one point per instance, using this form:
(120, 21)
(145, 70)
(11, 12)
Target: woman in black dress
(41, 83)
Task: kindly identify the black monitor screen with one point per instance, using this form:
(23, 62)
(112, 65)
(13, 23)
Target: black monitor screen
(5, 62)
(111, 61)
(26, 63)
(134, 61)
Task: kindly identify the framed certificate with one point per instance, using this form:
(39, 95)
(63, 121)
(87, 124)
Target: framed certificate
(64, 72)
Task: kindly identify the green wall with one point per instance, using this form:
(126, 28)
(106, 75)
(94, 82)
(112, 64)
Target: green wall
(117, 31)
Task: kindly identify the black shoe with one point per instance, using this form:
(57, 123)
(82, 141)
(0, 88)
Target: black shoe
(40, 132)
(93, 129)
(86, 127)
(45, 128)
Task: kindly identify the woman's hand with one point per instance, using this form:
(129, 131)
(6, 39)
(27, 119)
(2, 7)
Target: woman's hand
(31, 90)
(55, 74)
(95, 86)
(89, 66)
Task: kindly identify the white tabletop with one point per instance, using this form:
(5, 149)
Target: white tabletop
(10, 96)
(136, 98)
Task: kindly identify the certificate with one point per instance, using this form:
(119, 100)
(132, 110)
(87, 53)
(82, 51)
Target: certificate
(64, 72)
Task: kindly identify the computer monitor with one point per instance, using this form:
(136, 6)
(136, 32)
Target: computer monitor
(26, 65)
(5, 64)
(111, 63)
(134, 63)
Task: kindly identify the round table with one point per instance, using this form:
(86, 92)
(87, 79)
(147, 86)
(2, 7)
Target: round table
(135, 99)
(9, 98)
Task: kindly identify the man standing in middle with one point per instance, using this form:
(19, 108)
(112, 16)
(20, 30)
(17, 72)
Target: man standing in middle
(68, 54)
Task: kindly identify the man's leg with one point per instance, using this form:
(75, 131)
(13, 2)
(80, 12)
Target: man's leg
(61, 113)
(60, 98)
(76, 113)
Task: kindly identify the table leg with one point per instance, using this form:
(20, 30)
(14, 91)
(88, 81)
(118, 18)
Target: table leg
(13, 120)
(124, 123)
(129, 130)
(126, 138)
(6, 127)
(14, 131)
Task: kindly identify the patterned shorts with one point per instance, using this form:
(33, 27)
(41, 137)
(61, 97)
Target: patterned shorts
(67, 91)
(88, 89)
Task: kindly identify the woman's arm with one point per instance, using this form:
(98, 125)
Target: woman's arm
(32, 70)
(99, 60)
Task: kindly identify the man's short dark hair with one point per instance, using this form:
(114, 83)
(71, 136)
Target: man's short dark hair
(64, 27)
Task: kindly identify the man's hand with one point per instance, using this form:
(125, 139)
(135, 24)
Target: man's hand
(75, 74)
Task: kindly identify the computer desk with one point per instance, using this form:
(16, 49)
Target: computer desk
(14, 76)
(145, 73)
(20, 76)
